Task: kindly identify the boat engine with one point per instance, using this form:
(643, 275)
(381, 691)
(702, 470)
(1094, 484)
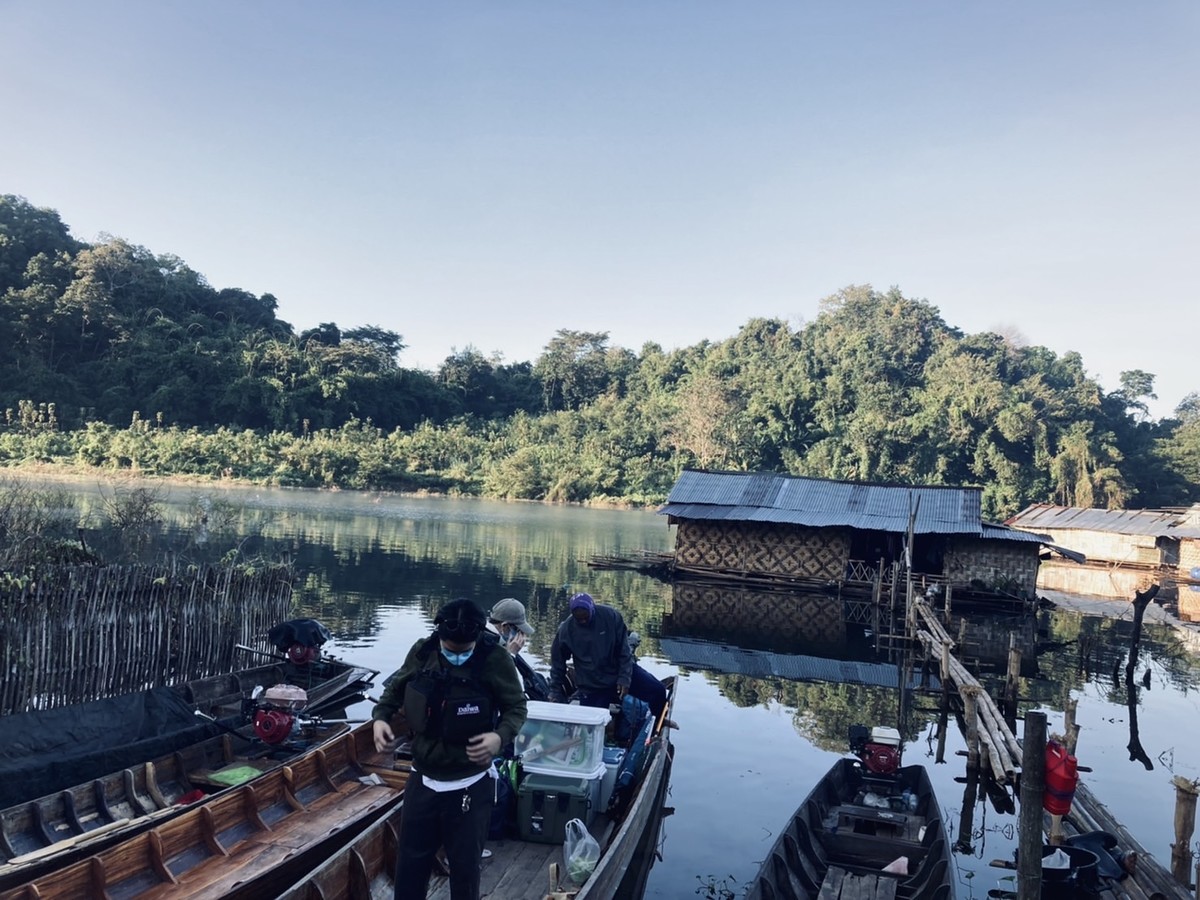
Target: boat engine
(879, 748)
(276, 713)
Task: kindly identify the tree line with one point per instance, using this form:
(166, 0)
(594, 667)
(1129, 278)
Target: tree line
(120, 358)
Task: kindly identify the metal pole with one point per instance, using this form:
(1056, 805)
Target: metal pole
(1033, 785)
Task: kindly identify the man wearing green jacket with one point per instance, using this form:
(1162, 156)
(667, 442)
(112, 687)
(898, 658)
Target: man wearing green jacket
(463, 700)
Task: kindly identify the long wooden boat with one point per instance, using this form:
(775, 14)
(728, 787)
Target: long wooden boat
(54, 829)
(45, 751)
(848, 837)
(517, 869)
(252, 841)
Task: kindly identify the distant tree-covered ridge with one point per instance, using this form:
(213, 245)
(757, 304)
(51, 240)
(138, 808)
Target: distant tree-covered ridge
(118, 358)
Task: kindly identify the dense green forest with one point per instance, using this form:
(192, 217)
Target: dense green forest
(118, 358)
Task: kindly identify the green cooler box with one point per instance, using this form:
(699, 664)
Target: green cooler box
(546, 803)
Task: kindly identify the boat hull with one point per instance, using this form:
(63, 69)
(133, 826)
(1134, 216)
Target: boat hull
(859, 833)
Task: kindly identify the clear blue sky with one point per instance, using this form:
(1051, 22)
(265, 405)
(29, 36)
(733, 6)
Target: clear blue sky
(485, 173)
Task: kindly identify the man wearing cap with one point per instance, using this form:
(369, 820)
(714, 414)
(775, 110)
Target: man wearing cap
(508, 622)
(595, 636)
(463, 700)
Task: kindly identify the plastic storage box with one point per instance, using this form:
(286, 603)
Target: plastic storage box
(562, 739)
(546, 803)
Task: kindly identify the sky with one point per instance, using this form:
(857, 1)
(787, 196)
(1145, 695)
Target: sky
(483, 174)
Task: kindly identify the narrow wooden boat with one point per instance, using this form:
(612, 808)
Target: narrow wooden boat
(869, 829)
(520, 870)
(46, 751)
(54, 829)
(251, 841)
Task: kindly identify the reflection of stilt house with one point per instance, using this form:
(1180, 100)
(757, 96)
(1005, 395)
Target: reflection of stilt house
(815, 532)
(1126, 549)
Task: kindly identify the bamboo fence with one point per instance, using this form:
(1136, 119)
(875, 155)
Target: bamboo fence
(74, 634)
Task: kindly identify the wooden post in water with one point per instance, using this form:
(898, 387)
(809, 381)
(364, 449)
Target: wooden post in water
(1141, 599)
(1014, 674)
(1033, 785)
(1071, 736)
(1185, 824)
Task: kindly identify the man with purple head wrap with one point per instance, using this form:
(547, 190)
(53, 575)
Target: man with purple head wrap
(595, 636)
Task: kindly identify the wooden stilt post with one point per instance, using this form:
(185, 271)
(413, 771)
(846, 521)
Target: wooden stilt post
(949, 593)
(1014, 674)
(1071, 730)
(1033, 785)
(1185, 824)
(876, 600)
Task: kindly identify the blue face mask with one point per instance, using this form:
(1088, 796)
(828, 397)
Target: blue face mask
(507, 634)
(457, 659)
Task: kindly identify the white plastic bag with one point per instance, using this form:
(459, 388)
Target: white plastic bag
(581, 851)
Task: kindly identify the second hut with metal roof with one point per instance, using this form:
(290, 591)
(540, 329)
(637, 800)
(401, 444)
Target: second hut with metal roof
(1127, 549)
(818, 532)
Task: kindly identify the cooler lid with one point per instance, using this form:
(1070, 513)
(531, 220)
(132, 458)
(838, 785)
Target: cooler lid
(567, 712)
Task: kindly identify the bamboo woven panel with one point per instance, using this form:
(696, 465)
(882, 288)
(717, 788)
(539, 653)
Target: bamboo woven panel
(762, 547)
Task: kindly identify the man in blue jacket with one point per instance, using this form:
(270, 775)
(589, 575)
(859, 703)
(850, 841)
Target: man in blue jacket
(596, 638)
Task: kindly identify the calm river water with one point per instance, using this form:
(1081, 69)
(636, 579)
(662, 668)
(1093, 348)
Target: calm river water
(756, 727)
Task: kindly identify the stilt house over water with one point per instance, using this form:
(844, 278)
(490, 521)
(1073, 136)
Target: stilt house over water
(1127, 549)
(816, 532)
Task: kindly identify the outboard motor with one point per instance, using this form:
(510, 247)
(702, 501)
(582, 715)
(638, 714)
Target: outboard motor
(299, 639)
(275, 712)
(879, 748)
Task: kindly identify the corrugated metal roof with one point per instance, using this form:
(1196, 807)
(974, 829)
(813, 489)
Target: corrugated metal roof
(820, 503)
(1150, 522)
(697, 654)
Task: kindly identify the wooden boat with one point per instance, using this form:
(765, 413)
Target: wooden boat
(860, 818)
(331, 685)
(251, 841)
(52, 830)
(517, 869)
(120, 785)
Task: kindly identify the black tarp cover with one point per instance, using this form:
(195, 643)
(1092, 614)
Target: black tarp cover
(50, 750)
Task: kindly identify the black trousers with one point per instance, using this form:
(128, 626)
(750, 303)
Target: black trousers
(431, 820)
(643, 685)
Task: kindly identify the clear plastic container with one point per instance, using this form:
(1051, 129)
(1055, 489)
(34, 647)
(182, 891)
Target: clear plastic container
(561, 739)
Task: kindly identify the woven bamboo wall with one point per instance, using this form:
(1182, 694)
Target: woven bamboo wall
(736, 615)
(75, 634)
(1003, 565)
(761, 547)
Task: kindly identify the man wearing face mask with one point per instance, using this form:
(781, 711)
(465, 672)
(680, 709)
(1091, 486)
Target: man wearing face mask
(463, 701)
(508, 623)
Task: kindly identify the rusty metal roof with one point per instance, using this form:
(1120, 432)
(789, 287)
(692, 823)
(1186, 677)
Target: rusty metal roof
(818, 503)
(1150, 522)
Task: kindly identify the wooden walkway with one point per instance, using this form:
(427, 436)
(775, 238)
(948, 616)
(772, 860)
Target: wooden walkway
(1151, 880)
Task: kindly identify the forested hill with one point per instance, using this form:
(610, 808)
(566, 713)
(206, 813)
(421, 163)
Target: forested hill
(117, 357)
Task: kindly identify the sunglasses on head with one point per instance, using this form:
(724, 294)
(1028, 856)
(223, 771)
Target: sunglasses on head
(459, 629)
